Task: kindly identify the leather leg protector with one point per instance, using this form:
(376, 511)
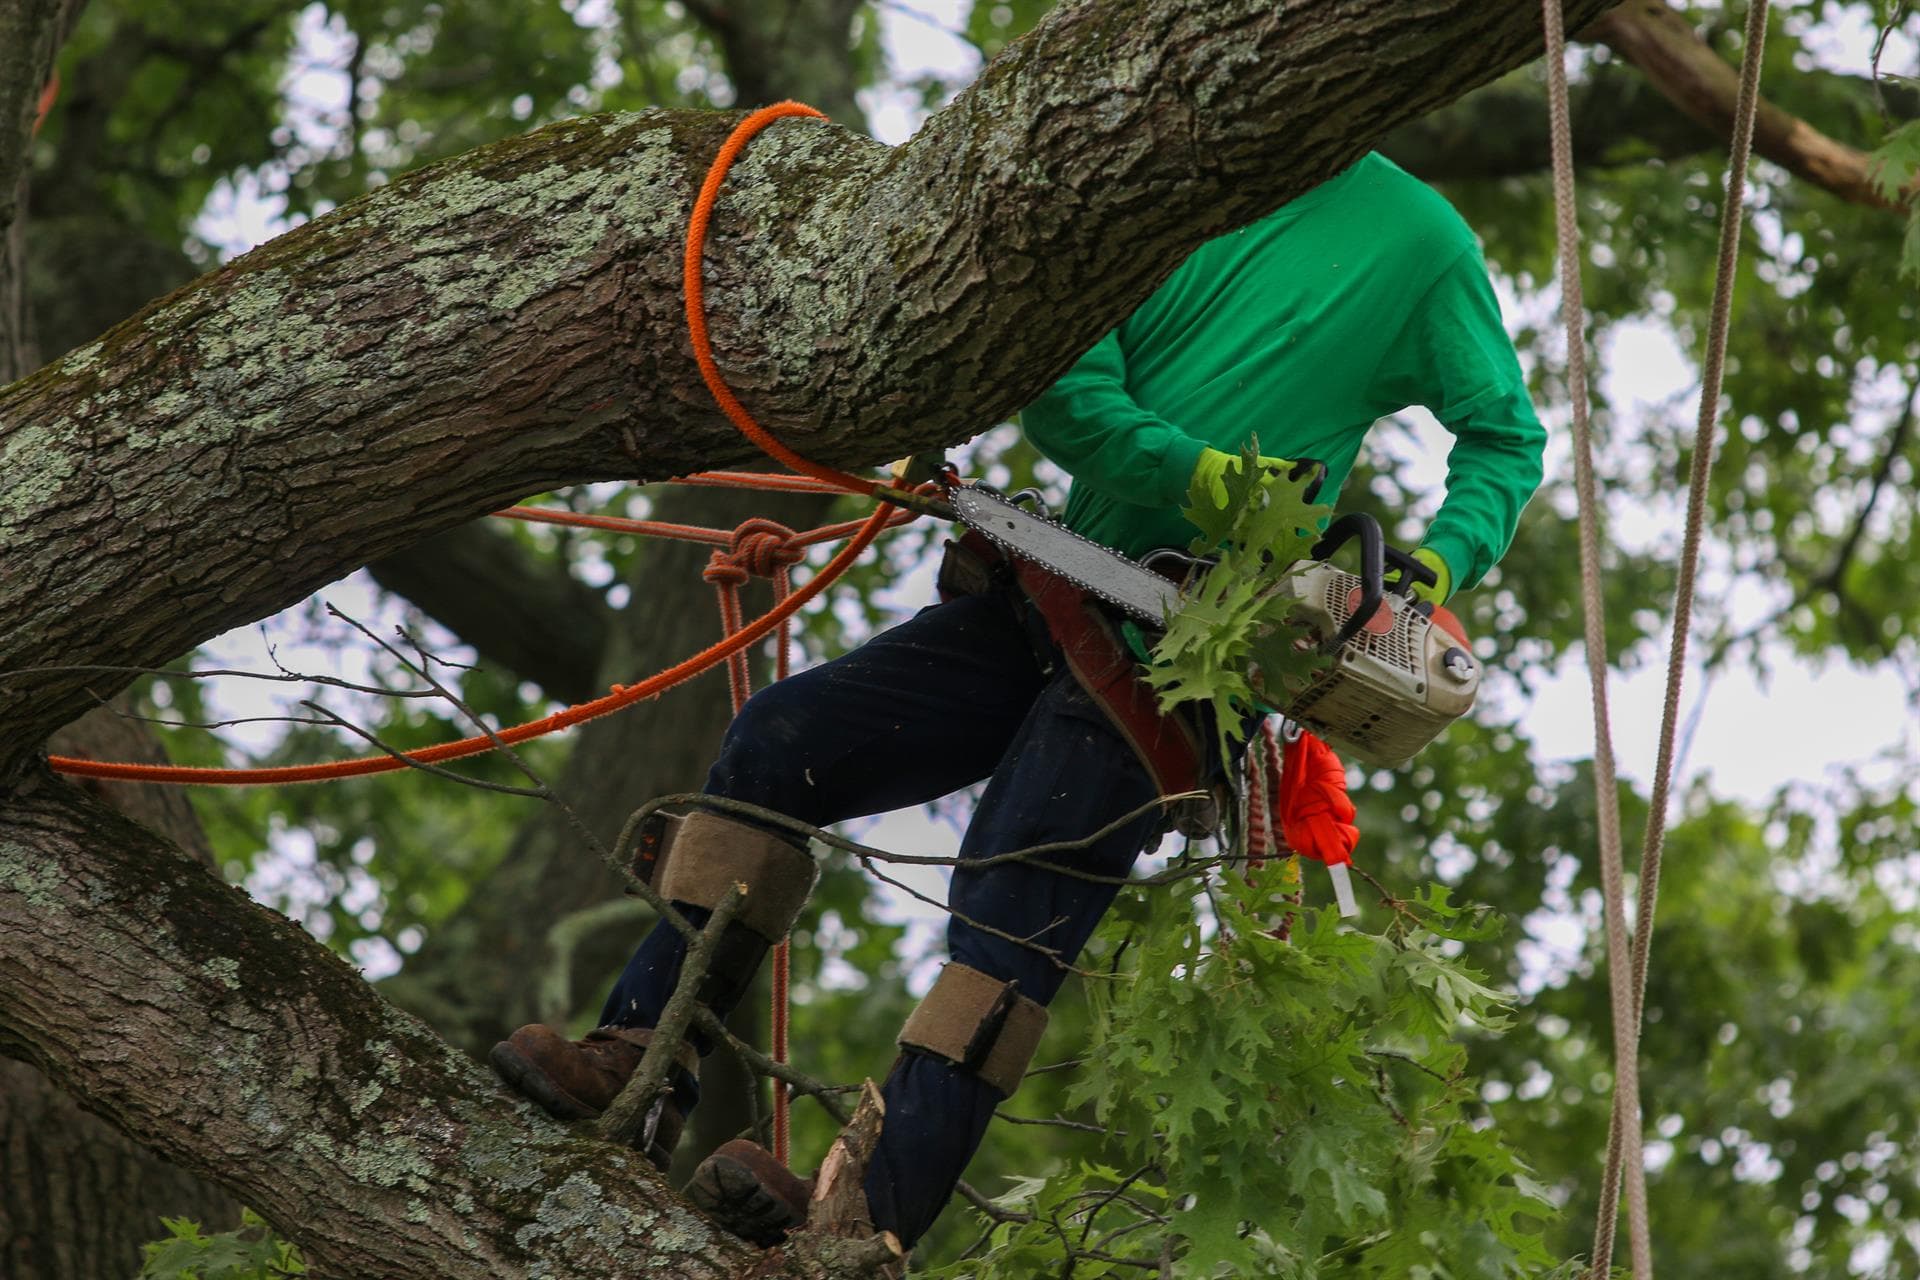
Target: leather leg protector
(978, 1023)
(706, 856)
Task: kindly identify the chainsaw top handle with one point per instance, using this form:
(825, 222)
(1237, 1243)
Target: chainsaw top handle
(1373, 569)
(1410, 573)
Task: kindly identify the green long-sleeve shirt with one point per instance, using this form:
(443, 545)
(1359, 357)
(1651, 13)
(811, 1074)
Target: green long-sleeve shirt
(1358, 299)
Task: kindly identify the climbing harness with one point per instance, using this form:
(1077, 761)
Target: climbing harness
(1167, 745)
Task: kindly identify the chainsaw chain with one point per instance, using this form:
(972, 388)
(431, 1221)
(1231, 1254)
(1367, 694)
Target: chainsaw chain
(994, 495)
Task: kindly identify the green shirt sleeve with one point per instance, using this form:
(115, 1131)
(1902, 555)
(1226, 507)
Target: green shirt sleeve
(1453, 356)
(1090, 425)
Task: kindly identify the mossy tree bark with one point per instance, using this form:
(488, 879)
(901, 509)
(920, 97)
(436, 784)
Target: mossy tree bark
(499, 325)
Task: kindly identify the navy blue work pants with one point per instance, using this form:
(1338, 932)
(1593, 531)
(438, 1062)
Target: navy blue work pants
(960, 692)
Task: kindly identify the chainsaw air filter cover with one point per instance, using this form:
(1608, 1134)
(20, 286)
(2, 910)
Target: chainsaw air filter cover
(1394, 686)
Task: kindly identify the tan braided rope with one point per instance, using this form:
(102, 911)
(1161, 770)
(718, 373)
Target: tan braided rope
(1628, 990)
(1626, 1049)
(1745, 109)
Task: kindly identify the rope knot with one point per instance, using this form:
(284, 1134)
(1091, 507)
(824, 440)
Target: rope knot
(761, 547)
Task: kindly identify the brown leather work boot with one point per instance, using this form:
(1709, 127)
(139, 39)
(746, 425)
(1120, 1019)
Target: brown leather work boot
(578, 1079)
(743, 1188)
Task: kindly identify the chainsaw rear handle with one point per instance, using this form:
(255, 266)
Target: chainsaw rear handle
(1373, 569)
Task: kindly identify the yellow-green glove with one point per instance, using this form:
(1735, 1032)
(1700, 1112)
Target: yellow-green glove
(1210, 472)
(1442, 577)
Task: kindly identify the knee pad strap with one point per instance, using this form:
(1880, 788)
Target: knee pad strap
(708, 854)
(978, 1023)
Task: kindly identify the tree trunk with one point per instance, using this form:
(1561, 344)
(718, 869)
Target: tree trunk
(498, 325)
(250, 1054)
(31, 33)
(77, 1197)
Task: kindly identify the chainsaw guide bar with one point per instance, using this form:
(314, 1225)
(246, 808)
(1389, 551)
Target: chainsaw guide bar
(1098, 570)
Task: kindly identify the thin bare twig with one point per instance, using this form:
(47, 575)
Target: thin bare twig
(1052, 954)
(284, 676)
(801, 1084)
(339, 721)
(1060, 1122)
(624, 1120)
(1030, 854)
(542, 790)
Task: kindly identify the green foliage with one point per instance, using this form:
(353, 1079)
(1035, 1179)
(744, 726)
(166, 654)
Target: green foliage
(1296, 1109)
(253, 1252)
(1233, 645)
(993, 24)
(1894, 169)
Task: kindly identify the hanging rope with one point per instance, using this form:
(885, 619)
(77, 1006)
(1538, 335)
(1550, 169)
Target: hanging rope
(766, 549)
(1628, 987)
(1713, 371)
(1626, 1053)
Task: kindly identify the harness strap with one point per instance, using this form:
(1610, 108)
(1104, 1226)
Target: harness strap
(1101, 663)
(978, 1023)
(1095, 652)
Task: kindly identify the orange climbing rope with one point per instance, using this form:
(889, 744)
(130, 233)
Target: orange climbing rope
(758, 547)
(48, 95)
(731, 648)
(695, 290)
(689, 532)
(622, 696)
(764, 548)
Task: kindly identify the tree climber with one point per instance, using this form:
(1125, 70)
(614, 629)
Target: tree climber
(1361, 297)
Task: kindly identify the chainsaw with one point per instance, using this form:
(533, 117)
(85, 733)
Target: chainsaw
(1401, 671)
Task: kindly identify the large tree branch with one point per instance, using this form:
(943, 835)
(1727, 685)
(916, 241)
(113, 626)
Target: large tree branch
(509, 321)
(242, 1049)
(1620, 115)
(1660, 41)
(1501, 131)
